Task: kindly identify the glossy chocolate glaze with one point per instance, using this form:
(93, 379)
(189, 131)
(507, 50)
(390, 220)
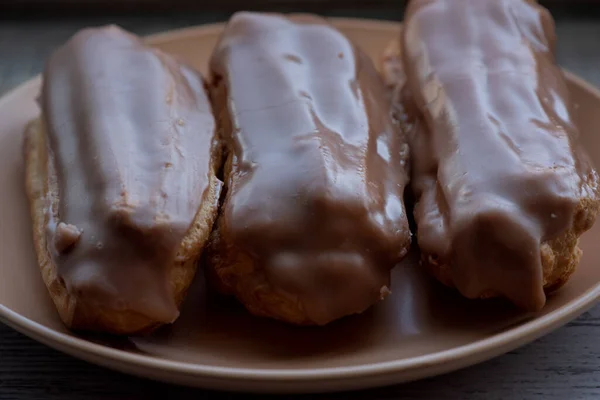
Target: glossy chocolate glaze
(317, 166)
(130, 133)
(497, 169)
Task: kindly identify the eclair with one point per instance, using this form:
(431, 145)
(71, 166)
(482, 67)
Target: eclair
(121, 178)
(313, 219)
(502, 185)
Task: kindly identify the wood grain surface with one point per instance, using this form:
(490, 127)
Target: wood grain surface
(562, 365)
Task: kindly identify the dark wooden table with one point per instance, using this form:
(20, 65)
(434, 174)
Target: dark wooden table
(562, 365)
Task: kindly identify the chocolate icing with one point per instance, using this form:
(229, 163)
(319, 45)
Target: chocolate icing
(130, 133)
(317, 170)
(497, 169)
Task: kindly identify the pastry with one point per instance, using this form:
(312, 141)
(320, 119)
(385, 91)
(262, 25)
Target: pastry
(121, 178)
(313, 219)
(503, 188)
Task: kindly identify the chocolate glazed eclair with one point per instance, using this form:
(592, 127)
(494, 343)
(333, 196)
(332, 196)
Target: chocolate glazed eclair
(503, 188)
(120, 174)
(313, 219)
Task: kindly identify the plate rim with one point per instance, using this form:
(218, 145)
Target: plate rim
(450, 359)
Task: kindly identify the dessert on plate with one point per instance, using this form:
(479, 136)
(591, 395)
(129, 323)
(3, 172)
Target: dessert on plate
(313, 219)
(121, 178)
(288, 169)
(503, 188)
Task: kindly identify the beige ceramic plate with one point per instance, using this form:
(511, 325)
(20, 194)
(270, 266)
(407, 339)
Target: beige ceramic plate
(421, 330)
